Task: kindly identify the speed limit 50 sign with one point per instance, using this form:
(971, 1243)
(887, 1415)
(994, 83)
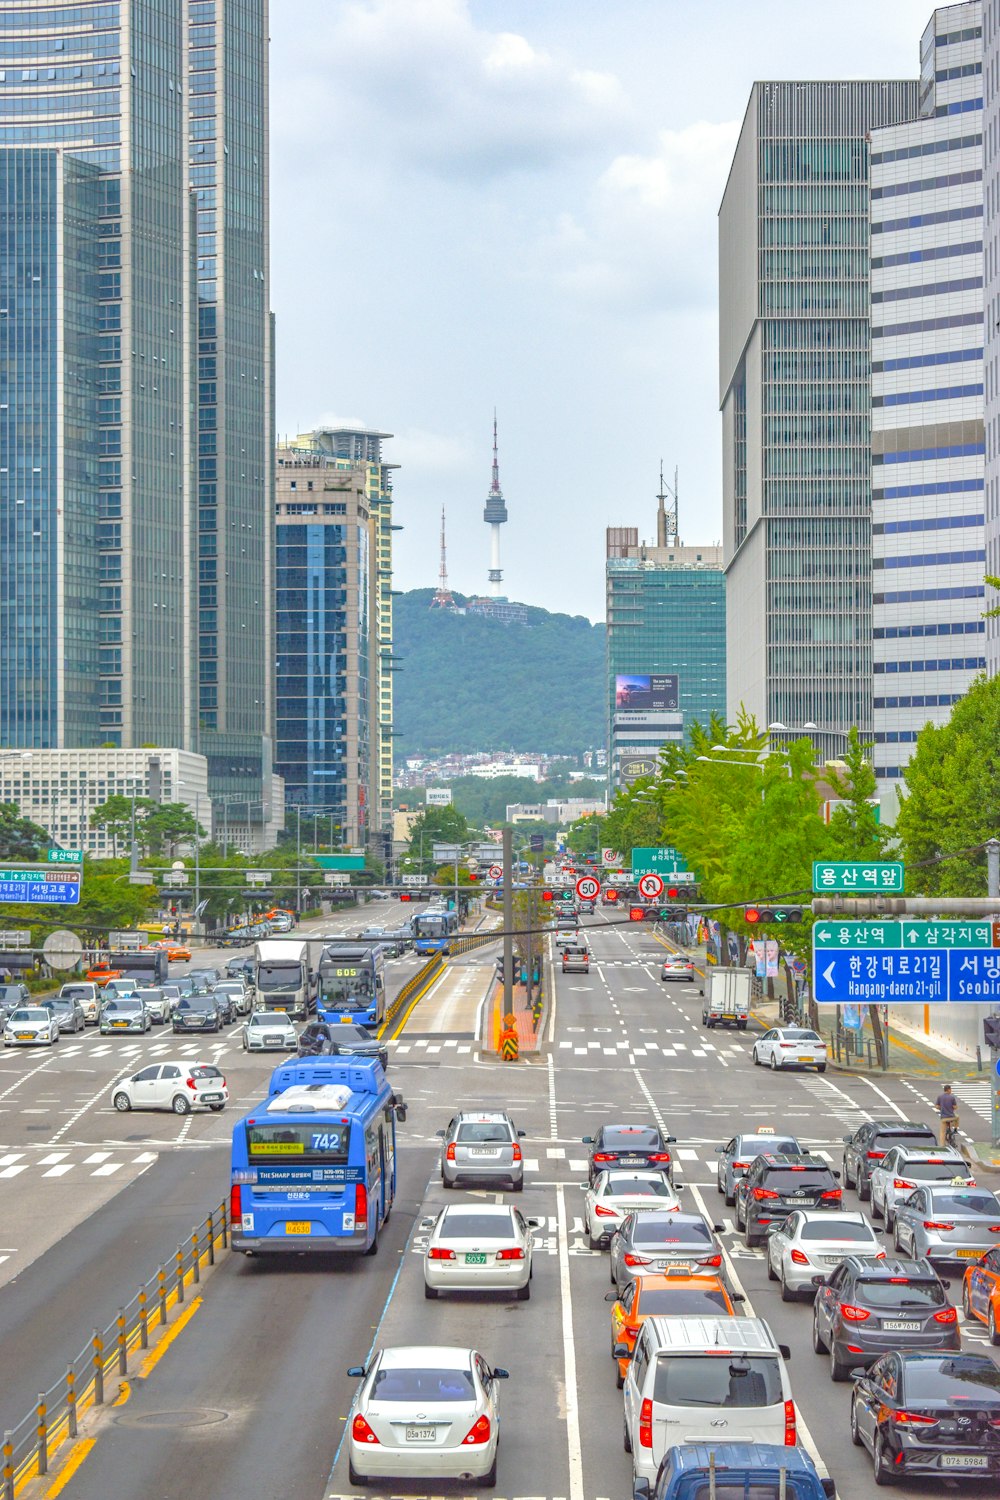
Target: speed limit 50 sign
(587, 888)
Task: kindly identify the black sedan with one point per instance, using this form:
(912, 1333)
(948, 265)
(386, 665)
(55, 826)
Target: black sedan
(933, 1414)
(343, 1039)
(196, 1013)
(629, 1146)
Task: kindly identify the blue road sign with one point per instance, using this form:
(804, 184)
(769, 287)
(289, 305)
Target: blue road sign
(900, 976)
(40, 887)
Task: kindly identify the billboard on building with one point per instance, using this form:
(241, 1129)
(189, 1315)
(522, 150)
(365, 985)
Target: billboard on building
(634, 767)
(647, 691)
(437, 796)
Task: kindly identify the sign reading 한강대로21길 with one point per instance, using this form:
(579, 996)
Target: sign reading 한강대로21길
(897, 963)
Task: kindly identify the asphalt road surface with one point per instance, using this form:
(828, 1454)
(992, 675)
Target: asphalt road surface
(252, 1397)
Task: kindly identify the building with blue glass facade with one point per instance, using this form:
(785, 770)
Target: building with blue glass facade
(928, 549)
(161, 106)
(333, 613)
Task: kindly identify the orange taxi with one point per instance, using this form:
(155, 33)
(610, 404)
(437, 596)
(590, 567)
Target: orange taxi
(102, 974)
(175, 952)
(676, 1293)
(981, 1292)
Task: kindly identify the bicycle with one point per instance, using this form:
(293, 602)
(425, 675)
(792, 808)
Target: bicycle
(951, 1133)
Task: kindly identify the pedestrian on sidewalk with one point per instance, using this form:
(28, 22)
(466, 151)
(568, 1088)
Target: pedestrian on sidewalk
(947, 1107)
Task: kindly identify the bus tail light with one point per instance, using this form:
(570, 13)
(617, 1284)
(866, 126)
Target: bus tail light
(479, 1432)
(789, 1424)
(646, 1424)
(235, 1206)
(361, 1207)
(361, 1432)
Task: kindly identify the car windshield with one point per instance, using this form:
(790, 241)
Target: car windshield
(620, 1183)
(418, 1385)
(722, 1380)
(790, 1035)
(269, 1018)
(36, 1013)
(837, 1233)
(61, 1002)
(151, 997)
(461, 1225)
(684, 1302)
(475, 1134)
(966, 1203)
(347, 1033)
(197, 1002)
(794, 1179)
(899, 1293)
(630, 1137)
(670, 1231)
(124, 1007)
(756, 1145)
(952, 1377)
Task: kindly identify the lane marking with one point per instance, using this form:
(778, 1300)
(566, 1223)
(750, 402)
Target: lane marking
(70, 1467)
(573, 1444)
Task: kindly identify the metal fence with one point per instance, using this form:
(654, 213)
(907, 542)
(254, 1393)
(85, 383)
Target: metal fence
(92, 1378)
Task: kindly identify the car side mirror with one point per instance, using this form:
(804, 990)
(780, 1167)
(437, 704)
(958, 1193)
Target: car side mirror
(719, 1228)
(622, 1351)
(588, 1140)
(520, 1135)
(440, 1133)
(736, 1297)
(818, 1280)
(770, 1229)
(718, 1150)
(859, 1373)
(499, 1374)
(536, 1223)
(784, 1351)
(846, 1139)
(671, 1140)
(356, 1370)
(584, 1187)
(401, 1113)
(837, 1175)
(640, 1489)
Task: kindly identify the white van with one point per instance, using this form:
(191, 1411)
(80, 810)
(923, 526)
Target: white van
(698, 1380)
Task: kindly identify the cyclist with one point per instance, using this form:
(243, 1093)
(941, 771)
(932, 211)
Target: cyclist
(947, 1107)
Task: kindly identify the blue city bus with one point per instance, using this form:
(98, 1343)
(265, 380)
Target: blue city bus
(433, 931)
(352, 984)
(314, 1164)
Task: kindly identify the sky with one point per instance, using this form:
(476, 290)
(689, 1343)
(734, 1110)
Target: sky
(513, 204)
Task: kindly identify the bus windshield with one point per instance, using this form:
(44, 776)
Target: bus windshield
(310, 1141)
(279, 976)
(342, 987)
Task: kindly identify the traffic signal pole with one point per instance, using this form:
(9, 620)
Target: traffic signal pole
(508, 919)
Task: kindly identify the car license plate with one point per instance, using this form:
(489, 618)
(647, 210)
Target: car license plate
(964, 1461)
(807, 1059)
(298, 1226)
(969, 1254)
(272, 1036)
(119, 1023)
(25, 1036)
(895, 1325)
(481, 1151)
(212, 1098)
(475, 1257)
(631, 1161)
(421, 1434)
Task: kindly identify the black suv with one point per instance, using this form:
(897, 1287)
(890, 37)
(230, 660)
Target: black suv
(775, 1184)
(629, 1146)
(196, 1013)
(872, 1141)
(869, 1305)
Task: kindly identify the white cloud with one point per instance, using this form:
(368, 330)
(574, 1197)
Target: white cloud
(435, 455)
(416, 84)
(647, 236)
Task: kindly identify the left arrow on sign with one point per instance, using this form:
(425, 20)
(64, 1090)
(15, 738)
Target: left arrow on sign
(828, 973)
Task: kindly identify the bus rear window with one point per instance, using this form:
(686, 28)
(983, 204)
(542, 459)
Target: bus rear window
(314, 1141)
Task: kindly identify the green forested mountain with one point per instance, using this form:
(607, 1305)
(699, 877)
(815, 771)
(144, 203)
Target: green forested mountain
(467, 683)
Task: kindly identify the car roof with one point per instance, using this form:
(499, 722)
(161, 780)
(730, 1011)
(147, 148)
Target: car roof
(791, 1159)
(747, 1335)
(476, 1210)
(672, 1219)
(483, 1116)
(420, 1356)
(884, 1270)
(930, 1153)
(900, 1126)
(695, 1457)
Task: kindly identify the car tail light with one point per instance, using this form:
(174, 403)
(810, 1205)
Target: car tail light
(636, 1260)
(660, 1156)
(910, 1418)
(450, 1153)
(901, 1182)
(604, 1156)
(603, 1213)
(994, 1229)
(646, 1424)
(632, 1329)
(946, 1315)
(516, 1253)
(740, 1166)
(875, 1155)
(361, 1432)
(709, 1260)
(799, 1259)
(438, 1253)
(760, 1193)
(789, 1424)
(479, 1432)
(786, 1046)
(832, 1193)
(937, 1224)
(854, 1314)
(517, 1152)
(361, 1207)
(190, 1083)
(235, 1206)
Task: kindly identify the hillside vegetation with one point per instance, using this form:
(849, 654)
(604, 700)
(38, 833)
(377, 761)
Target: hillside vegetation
(468, 683)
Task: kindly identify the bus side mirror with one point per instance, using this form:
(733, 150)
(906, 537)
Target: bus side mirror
(401, 1113)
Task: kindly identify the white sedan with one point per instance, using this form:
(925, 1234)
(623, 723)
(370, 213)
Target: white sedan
(902, 1170)
(810, 1243)
(479, 1245)
(269, 1030)
(616, 1193)
(425, 1412)
(790, 1047)
(31, 1026)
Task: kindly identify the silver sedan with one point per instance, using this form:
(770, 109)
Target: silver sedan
(811, 1243)
(946, 1223)
(479, 1246)
(269, 1030)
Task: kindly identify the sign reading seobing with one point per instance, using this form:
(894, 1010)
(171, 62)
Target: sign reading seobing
(645, 691)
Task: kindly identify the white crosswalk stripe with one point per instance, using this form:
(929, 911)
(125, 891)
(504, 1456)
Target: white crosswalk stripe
(58, 1164)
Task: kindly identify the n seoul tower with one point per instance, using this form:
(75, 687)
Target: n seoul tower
(495, 515)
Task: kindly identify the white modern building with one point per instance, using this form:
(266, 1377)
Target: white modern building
(928, 557)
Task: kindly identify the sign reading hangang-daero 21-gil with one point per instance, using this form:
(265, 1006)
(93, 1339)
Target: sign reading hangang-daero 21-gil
(905, 962)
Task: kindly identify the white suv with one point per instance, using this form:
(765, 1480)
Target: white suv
(704, 1380)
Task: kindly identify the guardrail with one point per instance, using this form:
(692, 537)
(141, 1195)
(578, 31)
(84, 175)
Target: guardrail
(422, 977)
(29, 1446)
(467, 942)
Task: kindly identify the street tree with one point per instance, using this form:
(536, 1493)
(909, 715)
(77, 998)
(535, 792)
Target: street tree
(20, 838)
(117, 816)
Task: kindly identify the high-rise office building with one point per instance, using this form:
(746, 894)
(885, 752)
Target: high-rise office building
(991, 319)
(927, 394)
(333, 595)
(136, 492)
(795, 396)
(666, 651)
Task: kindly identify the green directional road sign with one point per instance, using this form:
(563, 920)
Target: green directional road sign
(856, 935)
(660, 862)
(967, 934)
(831, 935)
(65, 856)
(857, 875)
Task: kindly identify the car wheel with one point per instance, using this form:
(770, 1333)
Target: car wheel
(896, 1241)
(991, 1327)
(818, 1342)
(626, 1440)
(595, 1242)
(848, 1179)
(720, 1186)
(611, 1274)
(430, 1292)
(353, 1475)
(489, 1479)
(787, 1294)
(524, 1292)
(838, 1370)
(877, 1211)
(215, 1108)
(730, 1198)
(772, 1274)
(966, 1304)
(619, 1377)
(864, 1189)
(890, 1219)
(821, 1068)
(517, 1186)
(855, 1433)
(774, 1063)
(881, 1467)
(751, 1240)
(180, 1105)
(122, 1103)
(739, 1216)
(754, 1058)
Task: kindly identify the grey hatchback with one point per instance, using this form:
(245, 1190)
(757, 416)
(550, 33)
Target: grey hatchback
(482, 1146)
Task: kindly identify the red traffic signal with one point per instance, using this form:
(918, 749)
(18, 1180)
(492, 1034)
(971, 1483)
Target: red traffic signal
(546, 895)
(751, 914)
(405, 896)
(637, 914)
(672, 892)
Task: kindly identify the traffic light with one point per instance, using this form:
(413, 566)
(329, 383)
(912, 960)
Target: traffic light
(991, 1032)
(637, 914)
(760, 915)
(405, 896)
(546, 895)
(673, 913)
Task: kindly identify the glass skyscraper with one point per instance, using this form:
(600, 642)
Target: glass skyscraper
(795, 394)
(147, 437)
